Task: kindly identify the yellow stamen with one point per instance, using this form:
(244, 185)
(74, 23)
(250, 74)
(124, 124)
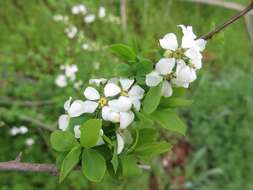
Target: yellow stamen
(123, 93)
(102, 101)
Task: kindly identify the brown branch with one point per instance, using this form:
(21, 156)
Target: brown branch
(228, 22)
(17, 165)
(26, 167)
(123, 13)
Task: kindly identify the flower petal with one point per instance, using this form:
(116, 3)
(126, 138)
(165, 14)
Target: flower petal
(169, 42)
(126, 83)
(165, 65)
(136, 91)
(91, 93)
(63, 122)
(67, 104)
(111, 90)
(97, 82)
(109, 115)
(126, 118)
(122, 104)
(120, 143)
(201, 44)
(77, 131)
(189, 37)
(136, 103)
(90, 106)
(167, 89)
(195, 56)
(153, 79)
(61, 81)
(76, 109)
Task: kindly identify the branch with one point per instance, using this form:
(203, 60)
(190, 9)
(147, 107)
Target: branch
(228, 22)
(16, 165)
(123, 13)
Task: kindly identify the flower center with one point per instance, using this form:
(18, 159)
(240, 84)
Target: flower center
(102, 101)
(177, 54)
(124, 93)
(170, 76)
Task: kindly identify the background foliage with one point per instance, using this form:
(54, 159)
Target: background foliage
(217, 151)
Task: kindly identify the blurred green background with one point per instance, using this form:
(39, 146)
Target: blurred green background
(217, 151)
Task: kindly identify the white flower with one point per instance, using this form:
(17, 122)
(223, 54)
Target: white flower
(184, 75)
(70, 71)
(97, 82)
(23, 130)
(89, 18)
(101, 12)
(79, 9)
(74, 109)
(190, 47)
(120, 143)
(77, 131)
(86, 46)
(61, 81)
(130, 90)
(14, 131)
(78, 84)
(29, 141)
(94, 99)
(163, 72)
(59, 18)
(71, 31)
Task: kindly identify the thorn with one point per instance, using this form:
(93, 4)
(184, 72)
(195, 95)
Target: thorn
(19, 157)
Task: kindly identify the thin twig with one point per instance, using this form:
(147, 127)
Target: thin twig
(232, 6)
(123, 13)
(28, 167)
(221, 3)
(230, 21)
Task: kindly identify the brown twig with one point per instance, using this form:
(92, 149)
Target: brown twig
(17, 165)
(230, 21)
(123, 13)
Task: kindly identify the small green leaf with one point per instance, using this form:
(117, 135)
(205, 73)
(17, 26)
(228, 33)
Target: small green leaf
(130, 167)
(123, 51)
(144, 118)
(90, 132)
(93, 165)
(143, 67)
(146, 135)
(152, 149)
(169, 120)
(174, 102)
(60, 157)
(115, 159)
(136, 139)
(152, 99)
(63, 140)
(69, 162)
(124, 70)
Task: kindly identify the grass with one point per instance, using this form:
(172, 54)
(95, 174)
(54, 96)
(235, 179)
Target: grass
(33, 46)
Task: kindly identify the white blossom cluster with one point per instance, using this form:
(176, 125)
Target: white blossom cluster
(69, 75)
(113, 100)
(179, 65)
(22, 130)
(116, 99)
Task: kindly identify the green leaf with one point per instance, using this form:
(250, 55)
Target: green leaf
(115, 159)
(90, 132)
(130, 167)
(152, 99)
(152, 149)
(143, 67)
(136, 139)
(146, 135)
(124, 70)
(69, 162)
(144, 118)
(174, 102)
(93, 165)
(123, 51)
(60, 156)
(169, 120)
(63, 140)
